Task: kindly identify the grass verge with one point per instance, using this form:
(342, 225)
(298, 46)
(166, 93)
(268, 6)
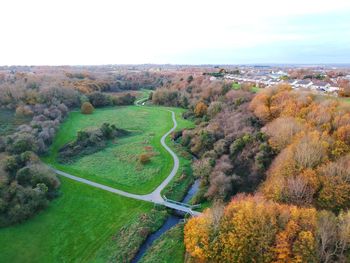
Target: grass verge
(74, 227)
(124, 245)
(169, 248)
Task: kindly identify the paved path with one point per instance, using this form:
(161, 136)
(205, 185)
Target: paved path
(155, 196)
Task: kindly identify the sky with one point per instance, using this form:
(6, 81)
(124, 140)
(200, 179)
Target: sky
(92, 32)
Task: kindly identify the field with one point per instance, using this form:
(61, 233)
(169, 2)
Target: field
(72, 229)
(118, 165)
(237, 86)
(80, 222)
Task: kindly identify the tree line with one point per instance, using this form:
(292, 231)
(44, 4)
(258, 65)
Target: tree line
(26, 184)
(282, 155)
(289, 150)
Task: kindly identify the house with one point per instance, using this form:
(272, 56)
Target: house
(278, 74)
(333, 89)
(305, 83)
(320, 85)
(272, 82)
(292, 82)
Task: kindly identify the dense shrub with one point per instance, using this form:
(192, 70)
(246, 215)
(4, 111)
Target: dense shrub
(24, 110)
(201, 109)
(126, 99)
(231, 138)
(20, 143)
(99, 99)
(56, 95)
(26, 186)
(38, 134)
(89, 141)
(87, 108)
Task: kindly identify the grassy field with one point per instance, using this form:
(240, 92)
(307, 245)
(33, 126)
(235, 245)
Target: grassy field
(237, 86)
(118, 165)
(80, 223)
(72, 229)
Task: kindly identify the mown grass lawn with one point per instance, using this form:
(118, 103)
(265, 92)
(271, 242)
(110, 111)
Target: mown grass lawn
(72, 229)
(118, 165)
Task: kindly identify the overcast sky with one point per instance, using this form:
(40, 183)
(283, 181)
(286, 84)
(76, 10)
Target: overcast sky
(61, 32)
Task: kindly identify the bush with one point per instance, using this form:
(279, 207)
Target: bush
(29, 187)
(23, 111)
(2, 144)
(126, 99)
(145, 158)
(89, 141)
(99, 99)
(23, 142)
(200, 109)
(87, 108)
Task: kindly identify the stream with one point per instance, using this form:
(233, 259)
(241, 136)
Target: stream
(171, 221)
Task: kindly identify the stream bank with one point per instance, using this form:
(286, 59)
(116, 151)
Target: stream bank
(171, 221)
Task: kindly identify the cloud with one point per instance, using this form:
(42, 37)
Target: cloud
(107, 31)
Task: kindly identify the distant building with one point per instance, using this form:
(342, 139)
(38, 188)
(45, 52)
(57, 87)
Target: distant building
(305, 83)
(273, 81)
(279, 74)
(292, 82)
(320, 85)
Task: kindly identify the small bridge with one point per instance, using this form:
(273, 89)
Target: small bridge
(188, 209)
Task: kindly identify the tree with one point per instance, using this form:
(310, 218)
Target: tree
(99, 99)
(252, 228)
(281, 131)
(334, 193)
(189, 79)
(214, 108)
(333, 236)
(22, 142)
(201, 109)
(344, 86)
(87, 108)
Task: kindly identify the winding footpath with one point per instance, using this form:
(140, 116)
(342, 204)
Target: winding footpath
(153, 197)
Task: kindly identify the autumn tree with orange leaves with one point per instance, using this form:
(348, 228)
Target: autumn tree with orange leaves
(312, 136)
(252, 228)
(200, 109)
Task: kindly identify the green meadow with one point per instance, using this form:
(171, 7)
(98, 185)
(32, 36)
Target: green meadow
(118, 165)
(82, 220)
(74, 227)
